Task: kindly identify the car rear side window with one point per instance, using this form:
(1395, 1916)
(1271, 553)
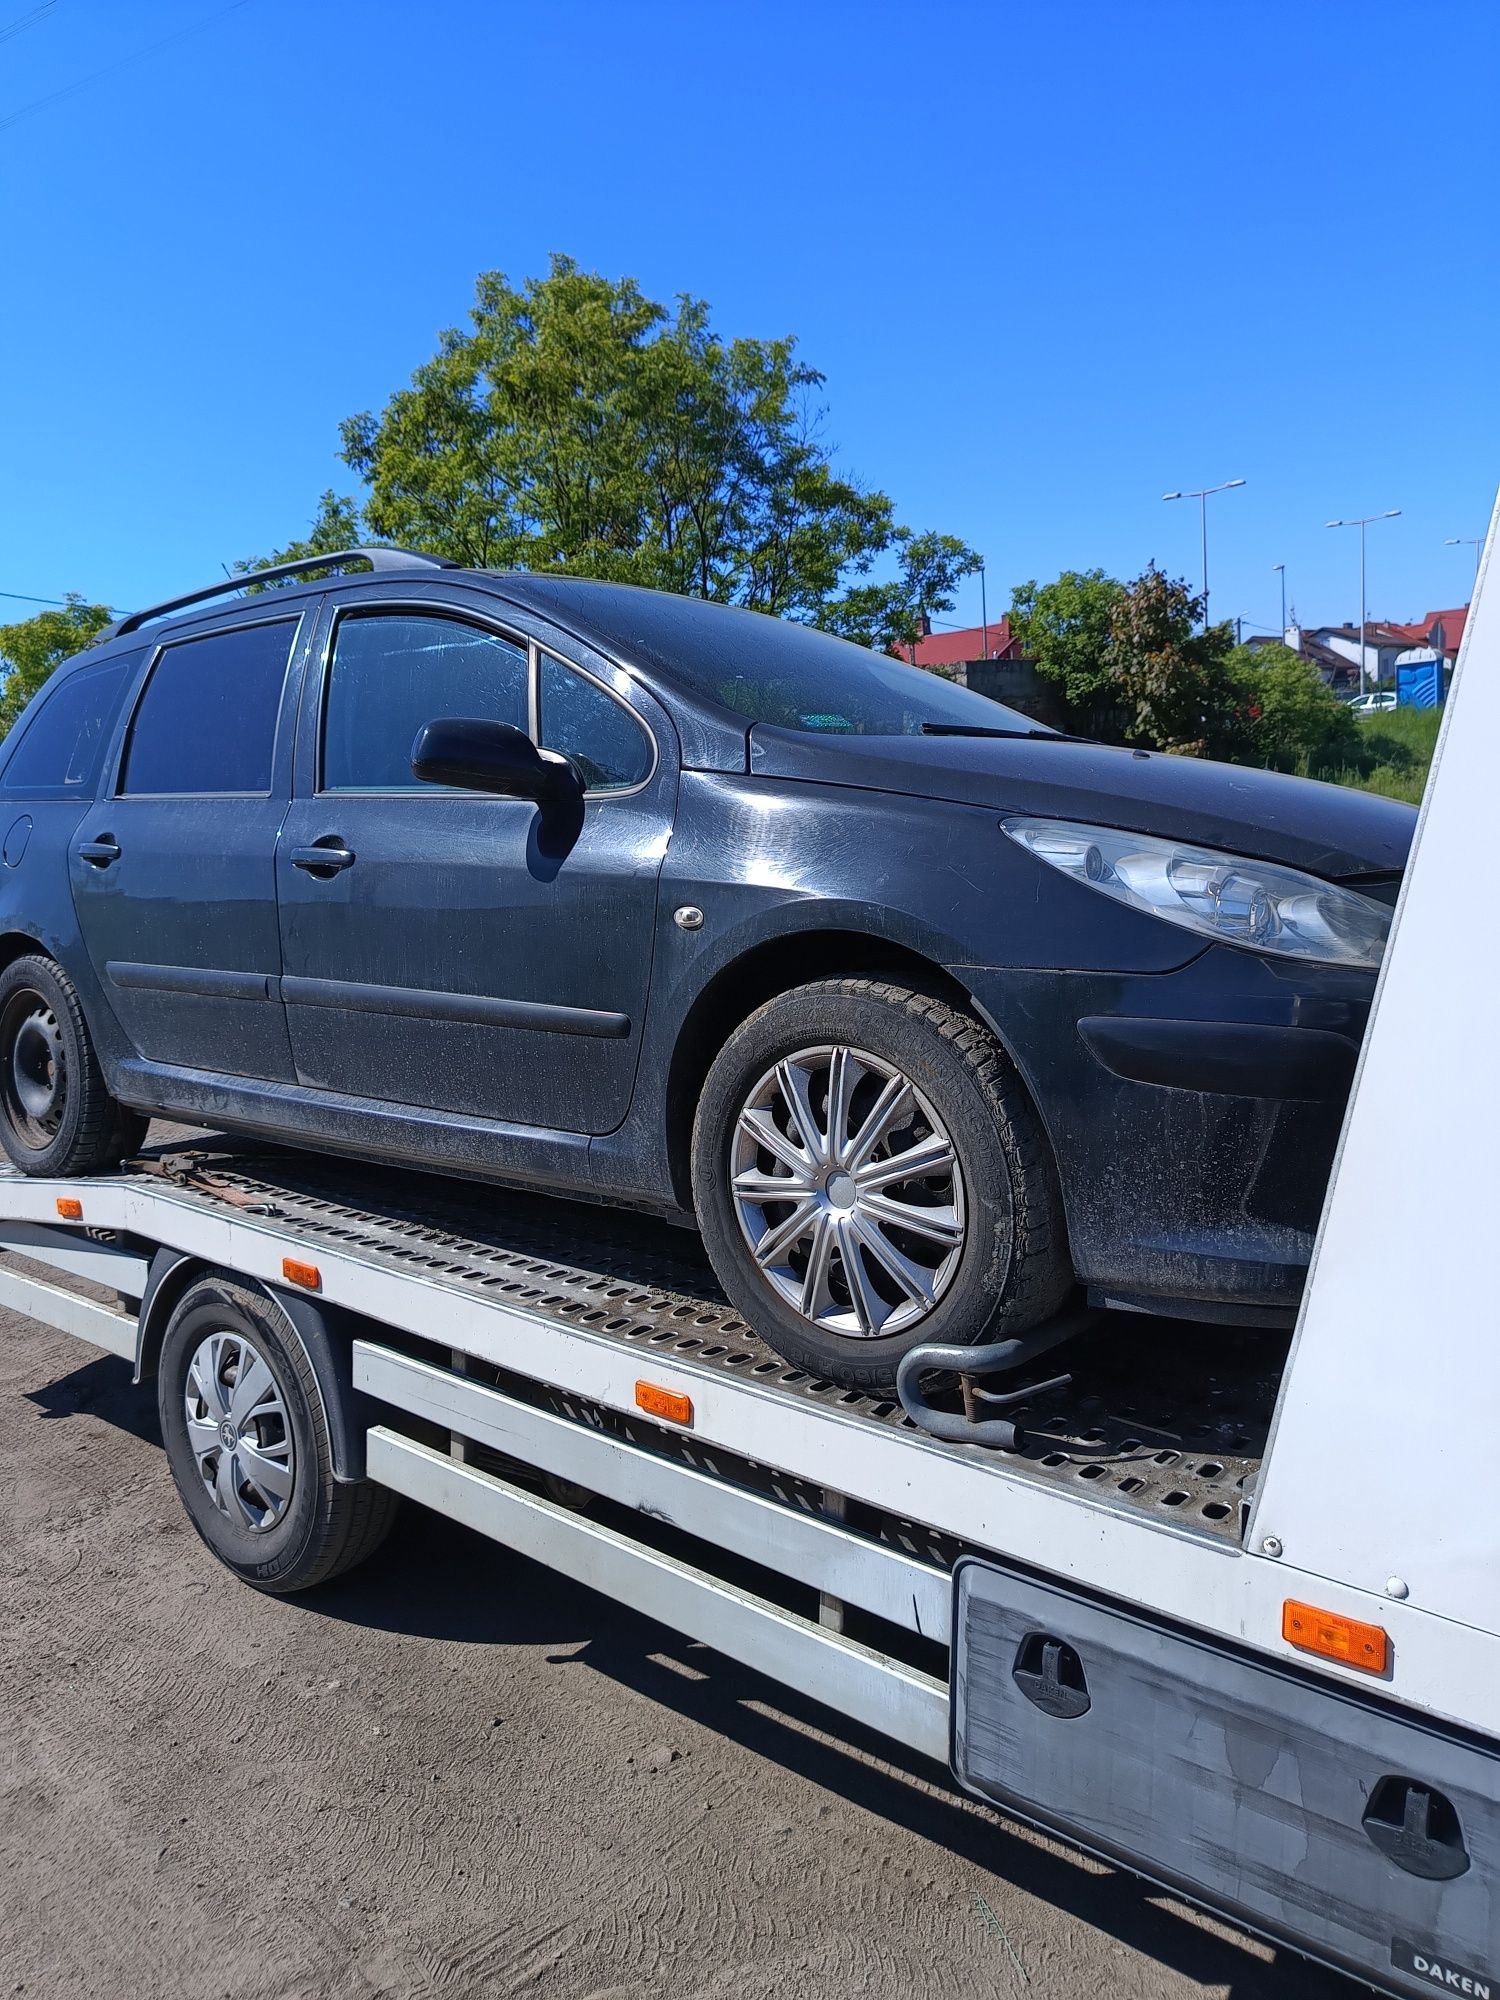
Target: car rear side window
(603, 738)
(207, 720)
(394, 672)
(61, 747)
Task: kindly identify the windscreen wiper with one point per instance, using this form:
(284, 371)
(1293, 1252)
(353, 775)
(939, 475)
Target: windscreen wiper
(982, 729)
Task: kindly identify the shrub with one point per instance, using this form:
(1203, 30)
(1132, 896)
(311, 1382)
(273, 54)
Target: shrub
(1295, 722)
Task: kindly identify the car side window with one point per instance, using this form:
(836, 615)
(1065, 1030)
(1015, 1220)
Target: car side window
(393, 672)
(609, 746)
(206, 723)
(62, 746)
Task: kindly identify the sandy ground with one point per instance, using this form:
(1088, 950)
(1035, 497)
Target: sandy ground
(454, 1774)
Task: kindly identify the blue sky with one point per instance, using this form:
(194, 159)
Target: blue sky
(1055, 260)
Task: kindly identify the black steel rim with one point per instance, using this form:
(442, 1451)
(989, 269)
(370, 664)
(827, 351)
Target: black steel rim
(33, 1069)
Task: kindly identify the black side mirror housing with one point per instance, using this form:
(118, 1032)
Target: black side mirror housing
(483, 756)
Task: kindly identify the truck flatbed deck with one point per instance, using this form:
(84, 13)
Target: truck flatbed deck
(1186, 1408)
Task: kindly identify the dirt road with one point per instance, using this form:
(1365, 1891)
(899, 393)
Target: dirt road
(455, 1774)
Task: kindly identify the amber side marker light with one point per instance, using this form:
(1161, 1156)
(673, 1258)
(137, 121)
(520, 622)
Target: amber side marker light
(667, 1403)
(1331, 1637)
(69, 1208)
(297, 1273)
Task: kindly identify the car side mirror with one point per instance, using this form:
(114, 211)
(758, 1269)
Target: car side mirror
(483, 756)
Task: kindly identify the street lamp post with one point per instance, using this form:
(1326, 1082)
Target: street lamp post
(1280, 570)
(1474, 542)
(1390, 514)
(1200, 494)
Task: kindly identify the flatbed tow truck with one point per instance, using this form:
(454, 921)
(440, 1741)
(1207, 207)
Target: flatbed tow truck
(1214, 1608)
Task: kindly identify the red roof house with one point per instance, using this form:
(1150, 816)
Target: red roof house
(1452, 623)
(1424, 631)
(994, 641)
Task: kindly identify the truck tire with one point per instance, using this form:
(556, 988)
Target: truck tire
(56, 1115)
(247, 1441)
(869, 1175)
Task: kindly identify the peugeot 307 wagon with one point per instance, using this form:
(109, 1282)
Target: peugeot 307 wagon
(929, 1016)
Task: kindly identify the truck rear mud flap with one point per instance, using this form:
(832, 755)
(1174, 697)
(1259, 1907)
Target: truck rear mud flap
(1306, 1811)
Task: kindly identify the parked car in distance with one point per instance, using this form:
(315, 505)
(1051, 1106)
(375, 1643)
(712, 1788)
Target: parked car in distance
(1379, 701)
(928, 1015)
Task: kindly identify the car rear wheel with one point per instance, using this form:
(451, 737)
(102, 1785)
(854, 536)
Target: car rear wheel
(869, 1175)
(56, 1115)
(247, 1441)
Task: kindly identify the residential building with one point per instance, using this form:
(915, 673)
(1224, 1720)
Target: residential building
(1442, 631)
(994, 641)
(1339, 671)
(1382, 644)
(1335, 649)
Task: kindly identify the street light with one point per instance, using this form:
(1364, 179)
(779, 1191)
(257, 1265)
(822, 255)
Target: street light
(1390, 514)
(1279, 569)
(1474, 542)
(1200, 494)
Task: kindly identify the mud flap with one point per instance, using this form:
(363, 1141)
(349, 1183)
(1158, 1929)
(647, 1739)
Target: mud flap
(1306, 1811)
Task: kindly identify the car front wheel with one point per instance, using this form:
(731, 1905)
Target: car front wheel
(869, 1175)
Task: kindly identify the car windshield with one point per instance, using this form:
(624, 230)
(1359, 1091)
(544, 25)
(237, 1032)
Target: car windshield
(770, 670)
(849, 691)
(799, 678)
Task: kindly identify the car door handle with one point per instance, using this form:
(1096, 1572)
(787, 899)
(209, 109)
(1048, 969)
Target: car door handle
(101, 851)
(323, 860)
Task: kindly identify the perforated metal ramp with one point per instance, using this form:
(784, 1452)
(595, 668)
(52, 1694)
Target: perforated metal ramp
(1185, 1407)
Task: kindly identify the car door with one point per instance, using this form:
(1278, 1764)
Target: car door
(173, 868)
(457, 951)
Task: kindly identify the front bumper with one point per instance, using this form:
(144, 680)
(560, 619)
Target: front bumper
(1194, 1117)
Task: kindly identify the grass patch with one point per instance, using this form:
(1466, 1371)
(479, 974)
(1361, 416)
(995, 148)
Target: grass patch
(1396, 754)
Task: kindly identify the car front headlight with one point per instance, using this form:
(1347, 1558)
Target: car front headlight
(1221, 896)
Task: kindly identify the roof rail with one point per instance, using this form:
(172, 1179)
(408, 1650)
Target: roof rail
(378, 558)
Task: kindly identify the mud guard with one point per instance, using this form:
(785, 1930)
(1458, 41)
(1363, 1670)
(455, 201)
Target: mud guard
(327, 1334)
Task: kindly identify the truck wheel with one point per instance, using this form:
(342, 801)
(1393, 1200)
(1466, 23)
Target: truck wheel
(247, 1440)
(56, 1116)
(869, 1175)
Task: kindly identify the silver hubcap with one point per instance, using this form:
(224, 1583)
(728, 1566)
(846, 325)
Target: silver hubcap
(238, 1428)
(848, 1191)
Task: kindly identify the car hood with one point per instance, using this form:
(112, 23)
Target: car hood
(1329, 830)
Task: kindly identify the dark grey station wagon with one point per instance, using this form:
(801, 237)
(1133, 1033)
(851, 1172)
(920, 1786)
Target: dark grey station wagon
(927, 1015)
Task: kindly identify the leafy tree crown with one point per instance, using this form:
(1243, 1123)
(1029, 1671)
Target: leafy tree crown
(576, 424)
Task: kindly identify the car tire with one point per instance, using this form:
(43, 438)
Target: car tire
(248, 1444)
(56, 1114)
(981, 1252)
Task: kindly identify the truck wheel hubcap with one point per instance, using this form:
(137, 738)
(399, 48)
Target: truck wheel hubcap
(848, 1191)
(238, 1429)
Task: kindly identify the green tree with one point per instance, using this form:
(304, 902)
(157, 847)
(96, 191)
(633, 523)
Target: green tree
(576, 424)
(1295, 721)
(31, 649)
(1065, 629)
(1174, 677)
(338, 524)
(888, 616)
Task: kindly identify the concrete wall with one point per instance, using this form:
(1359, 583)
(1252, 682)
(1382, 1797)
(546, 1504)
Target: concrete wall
(1018, 684)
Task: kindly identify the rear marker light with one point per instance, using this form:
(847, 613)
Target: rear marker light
(69, 1208)
(297, 1273)
(668, 1404)
(1331, 1637)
